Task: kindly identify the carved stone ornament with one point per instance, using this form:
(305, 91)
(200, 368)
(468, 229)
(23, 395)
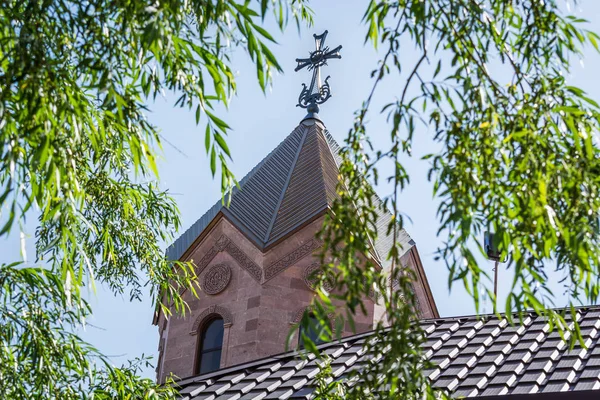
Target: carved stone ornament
(395, 285)
(291, 258)
(216, 279)
(219, 310)
(299, 313)
(226, 244)
(310, 278)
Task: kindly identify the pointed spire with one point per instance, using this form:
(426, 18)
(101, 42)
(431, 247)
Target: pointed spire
(312, 184)
(294, 185)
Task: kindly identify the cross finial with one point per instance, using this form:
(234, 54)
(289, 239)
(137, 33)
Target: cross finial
(317, 92)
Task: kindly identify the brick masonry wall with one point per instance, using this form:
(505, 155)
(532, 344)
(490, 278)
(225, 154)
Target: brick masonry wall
(258, 310)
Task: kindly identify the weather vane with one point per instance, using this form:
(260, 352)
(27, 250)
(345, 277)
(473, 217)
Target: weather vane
(317, 92)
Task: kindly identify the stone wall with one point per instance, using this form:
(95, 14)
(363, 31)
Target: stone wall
(259, 295)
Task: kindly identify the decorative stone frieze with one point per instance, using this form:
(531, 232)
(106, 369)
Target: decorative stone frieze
(291, 258)
(204, 261)
(395, 284)
(299, 313)
(238, 255)
(224, 243)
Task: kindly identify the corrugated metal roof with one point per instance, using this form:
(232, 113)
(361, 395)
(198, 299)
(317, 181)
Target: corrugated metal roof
(293, 184)
(474, 357)
(312, 185)
(256, 202)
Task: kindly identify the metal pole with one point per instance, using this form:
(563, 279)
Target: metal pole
(495, 284)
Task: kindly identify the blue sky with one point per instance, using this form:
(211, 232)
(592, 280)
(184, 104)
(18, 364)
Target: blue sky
(122, 329)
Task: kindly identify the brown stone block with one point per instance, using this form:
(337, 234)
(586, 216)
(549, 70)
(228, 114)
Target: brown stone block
(272, 290)
(180, 367)
(300, 296)
(241, 336)
(247, 315)
(274, 314)
(179, 327)
(277, 302)
(270, 348)
(253, 302)
(241, 353)
(268, 327)
(252, 325)
(297, 283)
(360, 328)
(194, 304)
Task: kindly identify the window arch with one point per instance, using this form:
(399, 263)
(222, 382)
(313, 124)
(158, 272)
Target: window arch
(210, 345)
(313, 331)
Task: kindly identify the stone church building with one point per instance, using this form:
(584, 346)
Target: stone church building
(254, 260)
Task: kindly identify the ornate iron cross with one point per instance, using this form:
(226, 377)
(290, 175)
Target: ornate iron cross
(317, 92)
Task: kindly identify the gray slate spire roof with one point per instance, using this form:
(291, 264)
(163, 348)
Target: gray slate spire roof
(480, 357)
(291, 187)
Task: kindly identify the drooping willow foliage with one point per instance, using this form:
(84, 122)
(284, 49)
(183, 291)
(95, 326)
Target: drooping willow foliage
(78, 154)
(519, 158)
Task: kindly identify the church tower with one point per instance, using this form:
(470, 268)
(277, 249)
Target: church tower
(254, 258)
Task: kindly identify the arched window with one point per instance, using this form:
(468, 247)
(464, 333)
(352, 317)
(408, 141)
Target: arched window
(313, 332)
(210, 346)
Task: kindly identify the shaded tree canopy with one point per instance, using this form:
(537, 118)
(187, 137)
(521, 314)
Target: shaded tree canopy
(78, 154)
(520, 157)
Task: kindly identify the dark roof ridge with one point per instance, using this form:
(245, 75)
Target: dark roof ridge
(489, 316)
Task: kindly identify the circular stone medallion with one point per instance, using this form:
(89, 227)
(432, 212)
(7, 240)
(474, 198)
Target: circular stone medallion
(216, 279)
(310, 278)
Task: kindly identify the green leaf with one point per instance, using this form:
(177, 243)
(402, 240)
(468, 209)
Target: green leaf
(593, 38)
(207, 138)
(264, 33)
(213, 161)
(219, 122)
(264, 4)
(222, 143)
(270, 57)
(437, 69)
